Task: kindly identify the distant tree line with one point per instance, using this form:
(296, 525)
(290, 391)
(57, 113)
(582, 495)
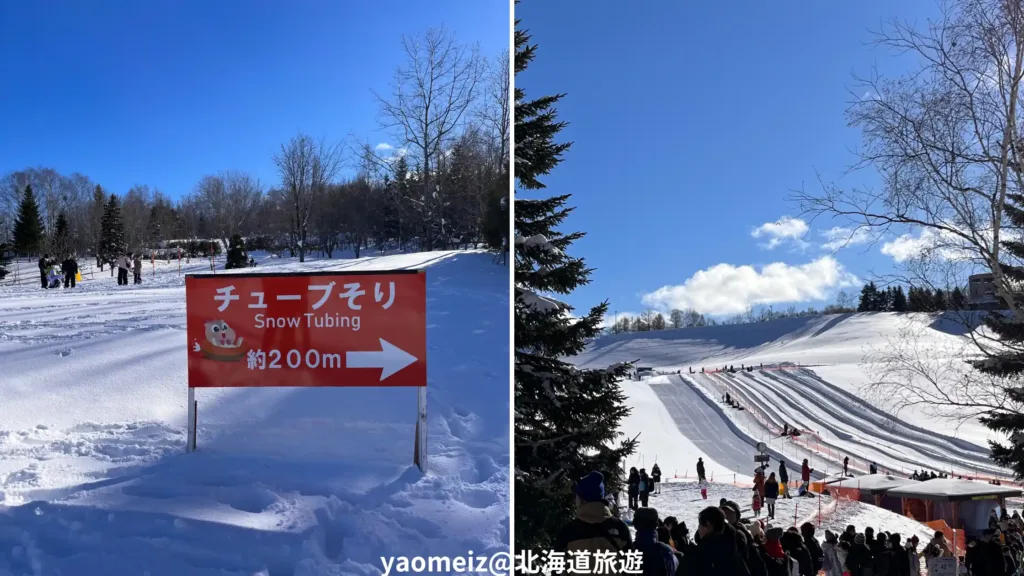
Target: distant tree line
(894, 299)
(442, 182)
(872, 299)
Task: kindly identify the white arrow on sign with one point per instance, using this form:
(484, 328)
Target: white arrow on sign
(391, 359)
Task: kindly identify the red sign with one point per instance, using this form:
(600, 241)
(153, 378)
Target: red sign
(311, 329)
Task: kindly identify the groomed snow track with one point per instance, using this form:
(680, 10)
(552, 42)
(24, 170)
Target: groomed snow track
(705, 423)
(845, 425)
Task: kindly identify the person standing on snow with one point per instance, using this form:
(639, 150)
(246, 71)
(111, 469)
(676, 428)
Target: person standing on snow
(784, 478)
(645, 487)
(846, 466)
(656, 478)
(771, 493)
(873, 469)
(700, 470)
(805, 472)
(137, 267)
(633, 488)
(43, 262)
(759, 482)
(594, 529)
(123, 264)
(70, 268)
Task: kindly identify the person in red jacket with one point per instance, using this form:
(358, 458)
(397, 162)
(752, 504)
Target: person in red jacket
(805, 472)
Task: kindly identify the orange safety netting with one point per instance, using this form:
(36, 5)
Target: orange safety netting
(955, 538)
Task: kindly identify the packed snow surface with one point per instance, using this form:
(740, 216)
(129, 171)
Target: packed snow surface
(807, 373)
(94, 479)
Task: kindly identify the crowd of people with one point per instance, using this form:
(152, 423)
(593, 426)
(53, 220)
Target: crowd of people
(725, 545)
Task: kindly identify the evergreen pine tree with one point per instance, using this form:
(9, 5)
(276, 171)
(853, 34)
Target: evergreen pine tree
(5, 261)
(899, 300)
(957, 300)
(237, 258)
(567, 419)
(28, 228)
(155, 232)
(60, 240)
(495, 224)
(939, 303)
(1008, 363)
(96, 211)
(112, 232)
(868, 298)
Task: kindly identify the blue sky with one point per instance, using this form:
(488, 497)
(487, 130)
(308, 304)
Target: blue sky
(692, 123)
(163, 92)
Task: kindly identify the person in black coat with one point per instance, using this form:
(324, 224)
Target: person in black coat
(784, 478)
(793, 544)
(44, 263)
(718, 549)
(633, 488)
(70, 269)
(813, 548)
(700, 470)
(858, 559)
(656, 478)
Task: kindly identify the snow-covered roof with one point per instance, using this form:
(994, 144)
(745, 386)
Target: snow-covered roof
(950, 489)
(873, 482)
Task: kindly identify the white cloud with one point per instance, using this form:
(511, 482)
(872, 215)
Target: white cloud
(928, 242)
(383, 147)
(727, 289)
(908, 246)
(783, 230)
(839, 237)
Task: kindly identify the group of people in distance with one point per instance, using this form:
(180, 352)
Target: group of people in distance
(640, 486)
(51, 272)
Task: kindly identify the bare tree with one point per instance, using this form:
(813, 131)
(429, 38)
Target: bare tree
(306, 168)
(229, 200)
(946, 140)
(430, 97)
(495, 113)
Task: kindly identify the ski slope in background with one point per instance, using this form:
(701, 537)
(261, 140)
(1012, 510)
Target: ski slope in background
(823, 397)
(93, 474)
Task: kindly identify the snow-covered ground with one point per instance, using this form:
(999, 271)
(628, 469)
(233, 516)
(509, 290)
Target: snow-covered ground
(93, 474)
(823, 396)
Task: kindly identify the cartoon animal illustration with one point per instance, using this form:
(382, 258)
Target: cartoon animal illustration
(219, 334)
(221, 343)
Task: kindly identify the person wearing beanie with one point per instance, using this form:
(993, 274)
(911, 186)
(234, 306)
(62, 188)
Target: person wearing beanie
(595, 528)
(858, 559)
(813, 548)
(831, 563)
(658, 557)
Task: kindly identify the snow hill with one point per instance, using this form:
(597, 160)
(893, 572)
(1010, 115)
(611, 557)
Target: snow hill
(681, 417)
(93, 474)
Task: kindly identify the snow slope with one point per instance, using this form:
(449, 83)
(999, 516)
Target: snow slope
(824, 396)
(93, 474)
